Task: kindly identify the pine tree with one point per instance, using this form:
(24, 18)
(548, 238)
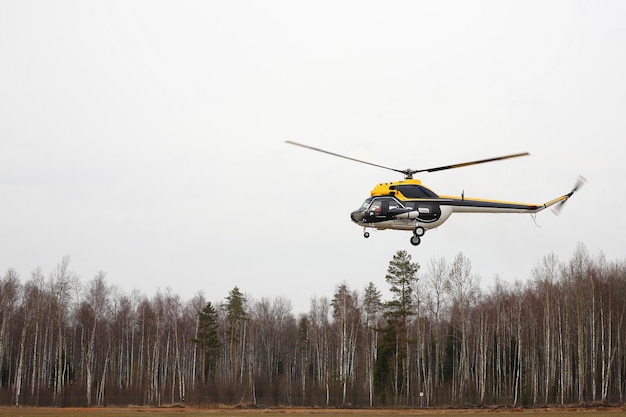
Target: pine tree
(207, 339)
(237, 317)
(392, 361)
(401, 276)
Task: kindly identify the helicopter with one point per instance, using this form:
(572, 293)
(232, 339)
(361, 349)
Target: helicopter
(410, 206)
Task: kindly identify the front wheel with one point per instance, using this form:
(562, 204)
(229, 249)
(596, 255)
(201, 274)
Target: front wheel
(419, 231)
(415, 240)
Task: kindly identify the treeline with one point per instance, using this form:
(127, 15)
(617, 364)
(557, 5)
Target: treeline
(438, 340)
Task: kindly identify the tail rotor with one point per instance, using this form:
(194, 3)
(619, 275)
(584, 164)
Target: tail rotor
(579, 183)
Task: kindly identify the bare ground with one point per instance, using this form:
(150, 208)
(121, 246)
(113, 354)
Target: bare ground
(282, 412)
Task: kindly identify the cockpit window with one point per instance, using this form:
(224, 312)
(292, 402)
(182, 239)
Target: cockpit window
(380, 204)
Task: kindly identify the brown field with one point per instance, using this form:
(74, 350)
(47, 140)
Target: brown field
(302, 412)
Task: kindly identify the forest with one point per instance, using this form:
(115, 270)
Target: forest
(439, 340)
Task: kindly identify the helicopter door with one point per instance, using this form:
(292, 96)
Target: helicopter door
(379, 210)
(384, 207)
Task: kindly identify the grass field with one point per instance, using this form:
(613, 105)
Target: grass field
(219, 412)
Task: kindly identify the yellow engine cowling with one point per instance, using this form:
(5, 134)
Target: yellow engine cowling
(388, 188)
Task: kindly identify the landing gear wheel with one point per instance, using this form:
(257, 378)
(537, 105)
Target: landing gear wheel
(415, 240)
(419, 231)
(366, 235)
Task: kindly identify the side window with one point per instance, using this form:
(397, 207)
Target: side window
(416, 191)
(383, 205)
(394, 204)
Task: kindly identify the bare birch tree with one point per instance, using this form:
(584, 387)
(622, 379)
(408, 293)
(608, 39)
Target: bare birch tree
(97, 299)
(9, 293)
(346, 313)
(463, 287)
(372, 308)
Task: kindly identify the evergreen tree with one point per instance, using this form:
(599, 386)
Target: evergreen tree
(207, 338)
(371, 303)
(402, 277)
(391, 370)
(237, 317)
(385, 353)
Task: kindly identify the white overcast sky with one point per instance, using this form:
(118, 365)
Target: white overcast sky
(146, 138)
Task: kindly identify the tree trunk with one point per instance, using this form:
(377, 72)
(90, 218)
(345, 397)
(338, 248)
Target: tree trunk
(20, 367)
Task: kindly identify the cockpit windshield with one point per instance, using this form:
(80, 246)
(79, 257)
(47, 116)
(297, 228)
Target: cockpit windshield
(365, 204)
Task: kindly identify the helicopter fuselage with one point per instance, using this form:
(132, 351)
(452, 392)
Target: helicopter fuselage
(408, 205)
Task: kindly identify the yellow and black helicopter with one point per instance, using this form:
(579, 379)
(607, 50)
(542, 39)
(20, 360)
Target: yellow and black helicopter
(409, 205)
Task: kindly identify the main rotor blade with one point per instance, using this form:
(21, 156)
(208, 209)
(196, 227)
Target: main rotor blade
(342, 156)
(408, 173)
(464, 164)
